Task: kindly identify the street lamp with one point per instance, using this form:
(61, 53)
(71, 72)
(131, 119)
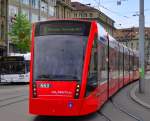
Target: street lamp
(119, 2)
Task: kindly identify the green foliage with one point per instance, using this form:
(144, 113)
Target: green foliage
(20, 33)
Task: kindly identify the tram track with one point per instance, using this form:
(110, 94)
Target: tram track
(104, 115)
(18, 101)
(12, 100)
(120, 108)
(9, 98)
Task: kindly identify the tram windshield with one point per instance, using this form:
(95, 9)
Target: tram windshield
(59, 57)
(59, 49)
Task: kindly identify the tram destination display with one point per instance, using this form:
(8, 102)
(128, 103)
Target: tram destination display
(63, 28)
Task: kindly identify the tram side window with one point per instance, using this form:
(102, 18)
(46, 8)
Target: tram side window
(126, 63)
(135, 64)
(92, 76)
(112, 64)
(129, 62)
(116, 64)
(121, 64)
(136, 61)
(132, 63)
(102, 62)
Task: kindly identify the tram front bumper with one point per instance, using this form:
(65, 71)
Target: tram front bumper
(55, 107)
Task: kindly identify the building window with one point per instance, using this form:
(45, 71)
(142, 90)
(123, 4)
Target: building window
(62, 12)
(44, 6)
(51, 11)
(68, 14)
(68, 2)
(13, 10)
(137, 47)
(132, 45)
(80, 15)
(91, 15)
(26, 12)
(75, 15)
(35, 4)
(34, 18)
(43, 18)
(25, 2)
(85, 15)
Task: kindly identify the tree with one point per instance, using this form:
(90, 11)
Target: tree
(20, 33)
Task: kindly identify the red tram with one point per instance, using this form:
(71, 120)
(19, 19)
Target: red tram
(75, 67)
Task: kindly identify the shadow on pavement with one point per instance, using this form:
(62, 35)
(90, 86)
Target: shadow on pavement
(13, 83)
(81, 118)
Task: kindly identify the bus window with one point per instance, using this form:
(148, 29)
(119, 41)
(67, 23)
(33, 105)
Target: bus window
(12, 68)
(27, 65)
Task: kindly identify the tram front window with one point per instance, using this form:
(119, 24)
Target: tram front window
(59, 57)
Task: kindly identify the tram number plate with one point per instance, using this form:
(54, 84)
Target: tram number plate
(45, 85)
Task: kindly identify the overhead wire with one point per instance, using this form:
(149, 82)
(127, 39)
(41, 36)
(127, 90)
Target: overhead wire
(99, 6)
(114, 12)
(117, 13)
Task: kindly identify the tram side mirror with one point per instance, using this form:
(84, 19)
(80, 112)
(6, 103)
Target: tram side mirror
(92, 83)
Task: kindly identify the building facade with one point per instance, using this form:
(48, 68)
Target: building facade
(3, 26)
(85, 11)
(35, 10)
(39, 10)
(130, 38)
(63, 9)
(68, 9)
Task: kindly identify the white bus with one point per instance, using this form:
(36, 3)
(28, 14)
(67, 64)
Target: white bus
(15, 68)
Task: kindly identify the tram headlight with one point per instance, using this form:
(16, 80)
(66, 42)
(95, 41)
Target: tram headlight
(77, 91)
(78, 86)
(34, 90)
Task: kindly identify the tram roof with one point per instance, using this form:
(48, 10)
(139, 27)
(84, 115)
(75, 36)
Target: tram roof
(113, 43)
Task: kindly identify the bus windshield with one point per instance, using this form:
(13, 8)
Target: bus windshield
(12, 67)
(59, 57)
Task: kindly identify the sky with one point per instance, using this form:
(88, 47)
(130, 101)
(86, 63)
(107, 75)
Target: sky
(124, 14)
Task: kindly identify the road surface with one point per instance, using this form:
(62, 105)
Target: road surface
(14, 107)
